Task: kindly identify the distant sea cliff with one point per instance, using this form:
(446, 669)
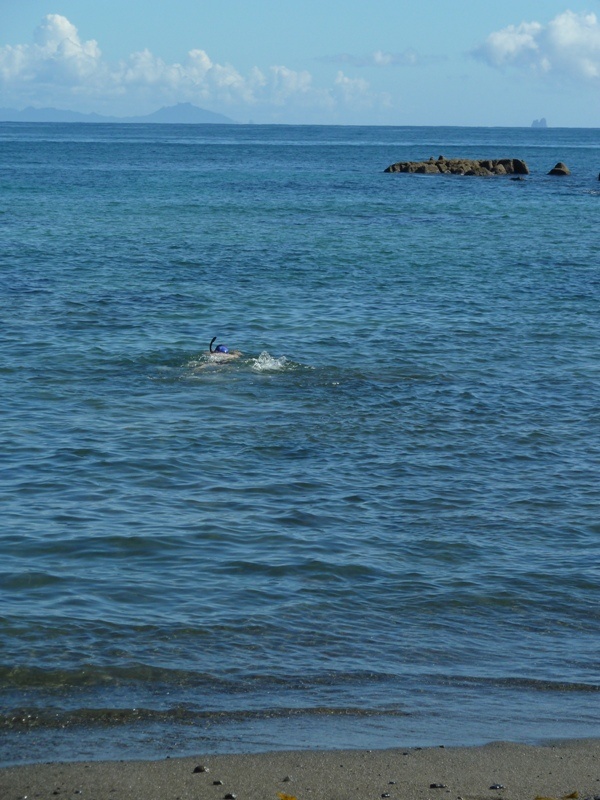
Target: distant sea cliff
(182, 113)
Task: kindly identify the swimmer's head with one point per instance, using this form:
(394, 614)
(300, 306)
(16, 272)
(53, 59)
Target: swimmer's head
(220, 348)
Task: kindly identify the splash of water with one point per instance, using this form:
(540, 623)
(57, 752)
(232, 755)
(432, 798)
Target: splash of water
(266, 363)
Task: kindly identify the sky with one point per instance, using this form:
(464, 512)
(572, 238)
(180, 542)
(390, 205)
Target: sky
(385, 62)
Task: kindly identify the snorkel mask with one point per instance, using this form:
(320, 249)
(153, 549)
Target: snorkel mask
(220, 348)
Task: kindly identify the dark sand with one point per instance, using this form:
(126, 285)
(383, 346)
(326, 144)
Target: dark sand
(570, 769)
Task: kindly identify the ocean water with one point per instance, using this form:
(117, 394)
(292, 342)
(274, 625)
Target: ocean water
(380, 525)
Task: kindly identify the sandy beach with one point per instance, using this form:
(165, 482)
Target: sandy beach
(496, 771)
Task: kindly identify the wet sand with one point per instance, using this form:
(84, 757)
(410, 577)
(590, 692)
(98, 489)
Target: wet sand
(496, 771)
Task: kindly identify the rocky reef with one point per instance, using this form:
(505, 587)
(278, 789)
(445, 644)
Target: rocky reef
(462, 166)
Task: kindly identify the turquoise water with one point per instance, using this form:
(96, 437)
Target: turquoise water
(380, 526)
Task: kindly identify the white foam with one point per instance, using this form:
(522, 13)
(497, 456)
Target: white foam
(266, 363)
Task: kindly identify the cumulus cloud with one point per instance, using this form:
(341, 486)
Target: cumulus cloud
(567, 45)
(59, 66)
(57, 55)
(353, 90)
(284, 82)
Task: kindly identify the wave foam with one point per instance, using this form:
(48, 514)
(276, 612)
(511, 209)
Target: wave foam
(266, 363)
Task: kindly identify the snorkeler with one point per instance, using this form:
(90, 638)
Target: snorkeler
(215, 356)
(221, 352)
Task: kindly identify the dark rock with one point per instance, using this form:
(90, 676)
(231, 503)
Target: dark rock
(560, 169)
(217, 783)
(201, 768)
(429, 167)
(437, 786)
(519, 167)
(497, 786)
(462, 166)
(230, 796)
(482, 172)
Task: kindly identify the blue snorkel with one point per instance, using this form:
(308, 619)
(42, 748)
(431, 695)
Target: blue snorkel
(220, 348)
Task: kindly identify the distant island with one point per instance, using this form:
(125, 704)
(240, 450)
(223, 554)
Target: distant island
(539, 123)
(182, 113)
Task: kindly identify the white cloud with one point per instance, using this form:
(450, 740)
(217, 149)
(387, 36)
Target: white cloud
(59, 67)
(57, 60)
(61, 55)
(352, 89)
(285, 82)
(567, 45)
(144, 69)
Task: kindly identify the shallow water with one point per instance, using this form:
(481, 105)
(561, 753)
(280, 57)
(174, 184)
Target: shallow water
(379, 526)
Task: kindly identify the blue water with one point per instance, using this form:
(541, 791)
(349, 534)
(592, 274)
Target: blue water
(380, 525)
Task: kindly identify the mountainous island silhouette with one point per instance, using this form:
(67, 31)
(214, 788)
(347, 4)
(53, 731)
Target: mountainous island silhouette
(181, 113)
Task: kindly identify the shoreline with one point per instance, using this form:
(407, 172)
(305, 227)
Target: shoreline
(500, 770)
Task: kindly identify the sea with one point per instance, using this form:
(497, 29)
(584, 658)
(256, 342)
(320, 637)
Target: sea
(379, 526)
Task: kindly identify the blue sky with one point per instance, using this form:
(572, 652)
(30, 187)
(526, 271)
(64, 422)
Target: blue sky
(386, 62)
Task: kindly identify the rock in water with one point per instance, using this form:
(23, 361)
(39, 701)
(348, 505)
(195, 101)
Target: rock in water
(462, 166)
(560, 169)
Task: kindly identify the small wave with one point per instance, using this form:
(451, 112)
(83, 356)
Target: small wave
(266, 363)
(55, 718)
(531, 684)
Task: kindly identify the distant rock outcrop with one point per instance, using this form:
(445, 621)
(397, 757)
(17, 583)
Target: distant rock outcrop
(560, 169)
(462, 166)
(539, 123)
